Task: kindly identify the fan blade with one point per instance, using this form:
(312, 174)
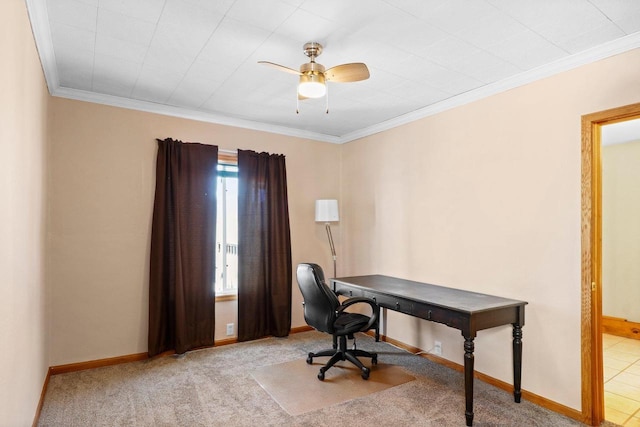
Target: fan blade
(280, 67)
(347, 73)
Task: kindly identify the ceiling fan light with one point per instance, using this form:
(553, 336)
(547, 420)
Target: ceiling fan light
(312, 86)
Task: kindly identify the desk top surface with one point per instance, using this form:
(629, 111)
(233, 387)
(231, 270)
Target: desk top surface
(450, 298)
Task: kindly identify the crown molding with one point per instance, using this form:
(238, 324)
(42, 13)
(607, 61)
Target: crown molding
(168, 110)
(597, 53)
(39, 18)
(37, 11)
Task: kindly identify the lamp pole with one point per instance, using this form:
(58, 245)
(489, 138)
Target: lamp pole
(331, 245)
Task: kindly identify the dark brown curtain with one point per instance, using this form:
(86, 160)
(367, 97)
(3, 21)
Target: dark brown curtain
(264, 247)
(182, 267)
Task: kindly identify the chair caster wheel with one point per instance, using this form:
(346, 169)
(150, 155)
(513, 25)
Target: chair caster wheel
(309, 359)
(374, 359)
(365, 373)
(321, 375)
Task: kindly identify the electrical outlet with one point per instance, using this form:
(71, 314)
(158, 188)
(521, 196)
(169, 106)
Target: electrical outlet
(437, 348)
(229, 329)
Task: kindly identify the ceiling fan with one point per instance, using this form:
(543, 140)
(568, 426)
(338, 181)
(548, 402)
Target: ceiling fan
(313, 76)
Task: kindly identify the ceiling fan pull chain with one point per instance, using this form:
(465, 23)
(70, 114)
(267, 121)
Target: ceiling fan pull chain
(327, 99)
(297, 103)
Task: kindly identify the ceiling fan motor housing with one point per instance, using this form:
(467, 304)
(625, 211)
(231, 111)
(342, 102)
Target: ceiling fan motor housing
(312, 68)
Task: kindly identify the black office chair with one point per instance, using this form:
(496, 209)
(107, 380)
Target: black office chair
(324, 312)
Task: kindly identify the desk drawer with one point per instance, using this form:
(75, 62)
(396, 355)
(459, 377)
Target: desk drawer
(384, 301)
(392, 303)
(439, 315)
(346, 292)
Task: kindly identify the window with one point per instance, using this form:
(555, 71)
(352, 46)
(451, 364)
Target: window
(227, 230)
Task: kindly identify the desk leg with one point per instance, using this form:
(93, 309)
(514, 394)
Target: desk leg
(468, 379)
(517, 361)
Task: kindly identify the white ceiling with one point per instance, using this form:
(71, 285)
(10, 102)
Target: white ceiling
(198, 58)
(620, 133)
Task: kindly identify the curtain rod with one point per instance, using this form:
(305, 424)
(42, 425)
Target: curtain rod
(220, 150)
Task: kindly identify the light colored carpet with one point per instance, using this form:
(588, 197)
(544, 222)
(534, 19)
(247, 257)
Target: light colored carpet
(215, 387)
(296, 388)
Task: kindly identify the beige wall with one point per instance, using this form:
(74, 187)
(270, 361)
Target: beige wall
(621, 230)
(483, 197)
(102, 170)
(486, 197)
(23, 111)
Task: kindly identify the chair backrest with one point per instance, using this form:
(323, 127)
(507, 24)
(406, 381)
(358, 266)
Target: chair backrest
(320, 303)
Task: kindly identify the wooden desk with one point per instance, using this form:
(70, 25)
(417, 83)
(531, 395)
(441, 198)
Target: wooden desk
(467, 311)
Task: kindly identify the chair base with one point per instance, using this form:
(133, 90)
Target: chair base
(342, 353)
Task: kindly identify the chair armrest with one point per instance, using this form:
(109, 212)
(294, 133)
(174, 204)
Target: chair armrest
(375, 309)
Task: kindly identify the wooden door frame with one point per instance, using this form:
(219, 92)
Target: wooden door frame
(591, 254)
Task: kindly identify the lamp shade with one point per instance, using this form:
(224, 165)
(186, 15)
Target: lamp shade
(327, 210)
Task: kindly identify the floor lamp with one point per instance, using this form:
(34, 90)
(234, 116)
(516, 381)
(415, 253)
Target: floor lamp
(327, 212)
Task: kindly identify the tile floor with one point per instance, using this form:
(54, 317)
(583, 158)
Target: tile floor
(621, 380)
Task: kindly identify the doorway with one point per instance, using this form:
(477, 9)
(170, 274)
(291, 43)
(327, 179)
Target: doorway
(591, 255)
(621, 271)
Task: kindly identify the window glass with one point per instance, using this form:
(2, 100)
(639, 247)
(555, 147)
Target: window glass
(227, 230)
